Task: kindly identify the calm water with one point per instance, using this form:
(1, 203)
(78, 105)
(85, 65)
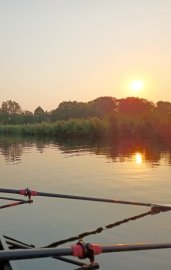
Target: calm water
(125, 170)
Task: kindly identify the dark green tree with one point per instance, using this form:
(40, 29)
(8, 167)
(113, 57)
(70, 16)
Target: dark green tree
(102, 106)
(69, 110)
(39, 111)
(39, 115)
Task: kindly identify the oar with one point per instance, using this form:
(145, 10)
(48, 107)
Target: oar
(77, 251)
(29, 193)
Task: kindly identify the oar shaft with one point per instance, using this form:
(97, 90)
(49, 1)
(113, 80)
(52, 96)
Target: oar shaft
(134, 247)
(73, 197)
(12, 191)
(85, 198)
(27, 192)
(21, 254)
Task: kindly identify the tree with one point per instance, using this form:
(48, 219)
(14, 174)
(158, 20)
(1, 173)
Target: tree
(11, 107)
(69, 109)
(39, 111)
(27, 117)
(102, 105)
(135, 106)
(39, 115)
(163, 108)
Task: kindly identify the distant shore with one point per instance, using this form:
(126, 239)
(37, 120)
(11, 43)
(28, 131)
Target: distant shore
(109, 127)
(102, 118)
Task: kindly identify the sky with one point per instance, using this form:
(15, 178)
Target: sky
(61, 50)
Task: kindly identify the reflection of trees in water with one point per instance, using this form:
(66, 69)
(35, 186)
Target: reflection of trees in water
(12, 152)
(40, 146)
(12, 148)
(124, 149)
(167, 157)
(118, 150)
(121, 150)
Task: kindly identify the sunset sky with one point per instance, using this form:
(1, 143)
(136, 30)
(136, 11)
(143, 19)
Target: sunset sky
(60, 50)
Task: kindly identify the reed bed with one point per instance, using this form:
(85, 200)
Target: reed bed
(88, 128)
(111, 126)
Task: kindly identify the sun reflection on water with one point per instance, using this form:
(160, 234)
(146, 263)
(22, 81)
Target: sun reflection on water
(138, 158)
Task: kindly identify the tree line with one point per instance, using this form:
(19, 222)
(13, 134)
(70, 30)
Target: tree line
(101, 117)
(12, 113)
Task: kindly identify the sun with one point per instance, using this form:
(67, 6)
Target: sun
(137, 86)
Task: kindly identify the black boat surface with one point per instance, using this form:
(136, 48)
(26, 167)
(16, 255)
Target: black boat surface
(6, 265)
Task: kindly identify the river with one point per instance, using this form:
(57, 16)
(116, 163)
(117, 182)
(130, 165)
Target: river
(124, 170)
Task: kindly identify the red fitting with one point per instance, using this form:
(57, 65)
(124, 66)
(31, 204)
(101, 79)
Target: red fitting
(22, 191)
(97, 249)
(77, 250)
(32, 192)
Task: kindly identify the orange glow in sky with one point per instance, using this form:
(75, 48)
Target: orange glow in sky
(54, 51)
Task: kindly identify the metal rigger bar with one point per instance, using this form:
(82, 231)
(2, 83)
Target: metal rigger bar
(77, 250)
(29, 193)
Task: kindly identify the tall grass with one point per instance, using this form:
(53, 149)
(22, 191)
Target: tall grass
(76, 128)
(111, 126)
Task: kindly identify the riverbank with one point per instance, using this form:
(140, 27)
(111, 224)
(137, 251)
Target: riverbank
(95, 128)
